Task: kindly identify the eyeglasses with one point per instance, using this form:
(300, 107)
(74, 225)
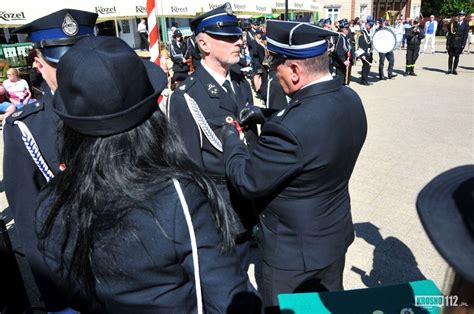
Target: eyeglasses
(229, 39)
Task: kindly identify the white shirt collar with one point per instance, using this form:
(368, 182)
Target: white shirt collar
(216, 76)
(327, 77)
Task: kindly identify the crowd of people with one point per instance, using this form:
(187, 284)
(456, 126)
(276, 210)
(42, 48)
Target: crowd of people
(123, 208)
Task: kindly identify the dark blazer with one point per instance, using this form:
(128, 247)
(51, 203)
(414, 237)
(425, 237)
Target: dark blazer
(23, 181)
(300, 170)
(177, 53)
(365, 43)
(343, 48)
(457, 35)
(216, 105)
(145, 265)
(414, 38)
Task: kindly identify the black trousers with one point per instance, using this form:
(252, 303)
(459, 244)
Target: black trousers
(366, 68)
(276, 281)
(341, 71)
(143, 41)
(453, 56)
(391, 61)
(412, 56)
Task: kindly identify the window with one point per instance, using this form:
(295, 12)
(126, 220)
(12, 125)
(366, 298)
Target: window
(362, 12)
(333, 14)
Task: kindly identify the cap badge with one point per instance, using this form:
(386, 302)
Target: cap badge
(228, 8)
(70, 26)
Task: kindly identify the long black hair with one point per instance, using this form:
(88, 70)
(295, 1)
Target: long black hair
(107, 177)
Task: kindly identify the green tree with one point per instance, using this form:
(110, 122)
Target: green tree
(452, 7)
(429, 7)
(445, 7)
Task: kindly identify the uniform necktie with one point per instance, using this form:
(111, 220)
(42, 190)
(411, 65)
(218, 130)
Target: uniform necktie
(230, 91)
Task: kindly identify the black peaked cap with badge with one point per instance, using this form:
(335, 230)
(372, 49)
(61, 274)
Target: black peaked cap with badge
(55, 33)
(218, 22)
(297, 39)
(106, 66)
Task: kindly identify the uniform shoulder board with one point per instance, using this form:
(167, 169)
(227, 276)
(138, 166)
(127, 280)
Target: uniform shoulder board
(26, 111)
(284, 112)
(186, 85)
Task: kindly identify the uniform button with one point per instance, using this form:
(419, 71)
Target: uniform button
(263, 215)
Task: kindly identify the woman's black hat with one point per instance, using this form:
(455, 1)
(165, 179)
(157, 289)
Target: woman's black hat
(104, 88)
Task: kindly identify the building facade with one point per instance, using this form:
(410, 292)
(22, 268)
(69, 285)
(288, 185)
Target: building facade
(350, 9)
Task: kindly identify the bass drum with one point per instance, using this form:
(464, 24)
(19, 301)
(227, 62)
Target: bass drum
(384, 40)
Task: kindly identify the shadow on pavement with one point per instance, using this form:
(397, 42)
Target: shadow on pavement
(434, 69)
(466, 68)
(393, 262)
(2, 186)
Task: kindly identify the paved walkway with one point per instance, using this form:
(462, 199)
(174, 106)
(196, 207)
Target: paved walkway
(418, 128)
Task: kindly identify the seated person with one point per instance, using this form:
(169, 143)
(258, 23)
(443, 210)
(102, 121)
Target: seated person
(17, 88)
(4, 66)
(6, 107)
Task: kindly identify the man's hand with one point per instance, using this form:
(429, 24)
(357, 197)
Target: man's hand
(251, 114)
(228, 129)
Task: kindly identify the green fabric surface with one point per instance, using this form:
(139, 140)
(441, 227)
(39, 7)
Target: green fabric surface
(388, 299)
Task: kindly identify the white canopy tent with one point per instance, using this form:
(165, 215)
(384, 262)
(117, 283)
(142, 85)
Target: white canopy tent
(294, 6)
(240, 7)
(19, 12)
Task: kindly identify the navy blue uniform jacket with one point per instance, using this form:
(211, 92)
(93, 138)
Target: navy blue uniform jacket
(300, 170)
(147, 267)
(216, 105)
(23, 181)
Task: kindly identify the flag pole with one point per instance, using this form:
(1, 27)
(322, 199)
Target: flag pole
(153, 32)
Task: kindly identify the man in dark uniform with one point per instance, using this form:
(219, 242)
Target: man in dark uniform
(299, 170)
(31, 149)
(331, 44)
(456, 40)
(382, 56)
(414, 36)
(365, 44)
(204, 101)
(251, 40)
(193, 51)
(343, 54)
(178, 56)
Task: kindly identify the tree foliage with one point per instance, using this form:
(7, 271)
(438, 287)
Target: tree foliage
(445, 7)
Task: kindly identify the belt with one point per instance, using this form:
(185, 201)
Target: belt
(219, 180)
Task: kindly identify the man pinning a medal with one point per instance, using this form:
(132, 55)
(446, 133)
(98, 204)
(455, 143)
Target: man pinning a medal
(299, 171)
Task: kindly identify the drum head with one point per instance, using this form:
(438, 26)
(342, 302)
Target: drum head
(384, 40)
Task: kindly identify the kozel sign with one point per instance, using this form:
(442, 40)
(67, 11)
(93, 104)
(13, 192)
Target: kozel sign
(7, 16)
(176, 9)
(140, 9)
(105, 11)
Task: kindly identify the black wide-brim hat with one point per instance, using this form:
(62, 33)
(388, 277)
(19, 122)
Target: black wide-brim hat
(446, 209)
(104, 88)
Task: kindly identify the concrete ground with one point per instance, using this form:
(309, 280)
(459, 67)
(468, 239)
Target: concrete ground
(418, 127)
